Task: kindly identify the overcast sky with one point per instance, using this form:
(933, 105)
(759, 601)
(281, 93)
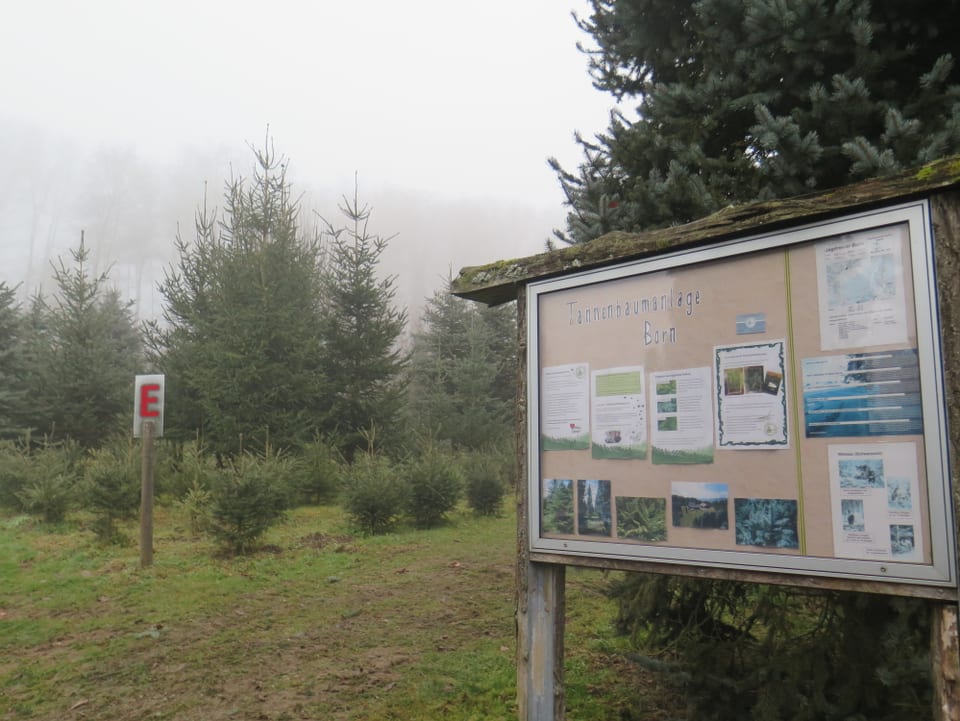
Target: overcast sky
(446, 112)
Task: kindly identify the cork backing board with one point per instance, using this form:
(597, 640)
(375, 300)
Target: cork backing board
(771, 404)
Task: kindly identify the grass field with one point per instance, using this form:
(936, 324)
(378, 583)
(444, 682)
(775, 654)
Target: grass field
(318, 624)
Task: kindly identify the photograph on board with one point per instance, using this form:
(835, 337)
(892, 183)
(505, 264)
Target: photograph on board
(766, 522)
(700, 505)
(641, 519)
(594, 514)
(556, 512)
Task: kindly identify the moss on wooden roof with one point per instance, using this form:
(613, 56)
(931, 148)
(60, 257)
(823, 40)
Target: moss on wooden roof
(500, 281)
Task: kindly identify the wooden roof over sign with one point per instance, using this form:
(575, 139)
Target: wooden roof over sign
(500, 282)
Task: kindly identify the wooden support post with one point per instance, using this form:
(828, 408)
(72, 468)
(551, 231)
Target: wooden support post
(146, 495)
(540, 621)
(945, 660)
(541, 601)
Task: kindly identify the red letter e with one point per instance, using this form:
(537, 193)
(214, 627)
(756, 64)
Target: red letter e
(148, 400)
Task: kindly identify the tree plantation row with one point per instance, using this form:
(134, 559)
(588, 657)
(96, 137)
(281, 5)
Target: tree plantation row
(236, 501)
(273, 335)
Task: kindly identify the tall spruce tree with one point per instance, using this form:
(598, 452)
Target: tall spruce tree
(362, 360)
(35, 342)
(462, 371)
(83, 349)
(241, 338)
(11, 360)
(740, 100)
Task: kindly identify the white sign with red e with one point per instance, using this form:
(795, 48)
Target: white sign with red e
(148, 404)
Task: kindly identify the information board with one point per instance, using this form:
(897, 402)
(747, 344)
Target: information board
(772, 404)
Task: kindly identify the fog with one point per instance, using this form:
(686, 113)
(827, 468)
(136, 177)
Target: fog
(117, 119)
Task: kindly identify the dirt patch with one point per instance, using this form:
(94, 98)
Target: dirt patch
(320, 541)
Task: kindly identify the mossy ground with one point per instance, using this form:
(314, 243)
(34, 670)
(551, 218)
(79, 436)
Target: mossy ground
(319, 623)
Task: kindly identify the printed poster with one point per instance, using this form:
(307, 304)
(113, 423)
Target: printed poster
(861, 292)
(681, 425)
(875, 495)
(751, 396)
(619, 420)
(862, 394)
(565, 407)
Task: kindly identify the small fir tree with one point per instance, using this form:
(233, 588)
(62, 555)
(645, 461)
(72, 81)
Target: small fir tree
(111, 488)
(373, 492)
(434, 484)
(48, 484)
(248, 497)
(485, 484)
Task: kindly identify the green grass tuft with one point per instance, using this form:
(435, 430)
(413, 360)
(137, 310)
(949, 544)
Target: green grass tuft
(418, 624)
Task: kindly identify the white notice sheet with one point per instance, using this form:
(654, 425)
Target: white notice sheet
(681, 426)
(565, 407)
(861, 291)
(875, 494)
(751, 396)
(619, 421)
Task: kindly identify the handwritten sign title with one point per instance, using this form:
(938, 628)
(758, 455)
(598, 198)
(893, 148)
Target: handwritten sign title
(674, 301)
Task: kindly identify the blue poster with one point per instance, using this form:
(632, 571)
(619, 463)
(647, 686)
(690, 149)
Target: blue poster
(862, 394)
